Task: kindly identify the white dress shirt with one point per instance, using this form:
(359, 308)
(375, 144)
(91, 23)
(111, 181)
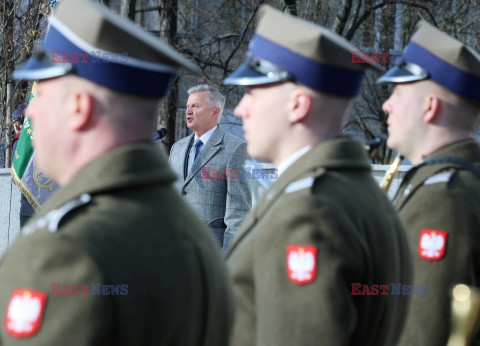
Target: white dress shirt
(204, 138)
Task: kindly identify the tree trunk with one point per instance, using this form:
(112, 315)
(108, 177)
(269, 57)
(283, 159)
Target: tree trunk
(342, 17)
(8, 116)
(124, 7)
(168, 31)
(368, 34)
(131, 10)
(7, 56)
(127, 9)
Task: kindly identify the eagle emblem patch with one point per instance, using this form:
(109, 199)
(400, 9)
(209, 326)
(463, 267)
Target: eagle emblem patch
(25, 312)
(432, 244)
(302, 263)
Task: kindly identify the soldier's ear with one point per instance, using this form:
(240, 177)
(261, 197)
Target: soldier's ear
(431, 108)
(299, 105)
(80, 106)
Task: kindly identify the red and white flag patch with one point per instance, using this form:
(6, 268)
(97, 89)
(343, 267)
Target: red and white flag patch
(432, 244)
(25, 312)
(302, 263)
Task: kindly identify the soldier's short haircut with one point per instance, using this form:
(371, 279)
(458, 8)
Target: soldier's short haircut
(216, 98)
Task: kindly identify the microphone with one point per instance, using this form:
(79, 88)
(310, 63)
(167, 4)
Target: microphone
(159, 134)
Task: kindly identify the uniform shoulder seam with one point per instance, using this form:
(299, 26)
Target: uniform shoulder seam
(53, 218)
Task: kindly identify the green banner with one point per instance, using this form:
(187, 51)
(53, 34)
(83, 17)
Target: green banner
(36, 187)
(24, 151)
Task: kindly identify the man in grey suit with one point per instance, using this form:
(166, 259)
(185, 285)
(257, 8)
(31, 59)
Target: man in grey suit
(208, 165)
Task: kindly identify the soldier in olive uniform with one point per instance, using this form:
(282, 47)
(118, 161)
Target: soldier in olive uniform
(115, 257)
(432, 113)
(324, 227)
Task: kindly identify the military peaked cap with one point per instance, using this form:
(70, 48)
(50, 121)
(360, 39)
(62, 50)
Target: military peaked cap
(88, 40)
(432, 54)
(287, 48)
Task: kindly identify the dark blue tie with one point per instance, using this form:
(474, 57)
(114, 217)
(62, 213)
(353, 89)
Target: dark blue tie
(198, 147)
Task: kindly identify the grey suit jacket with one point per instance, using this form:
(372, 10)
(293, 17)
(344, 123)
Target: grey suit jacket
(214, 188)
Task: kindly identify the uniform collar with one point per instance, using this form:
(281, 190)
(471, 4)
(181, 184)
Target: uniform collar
(333, 154)
(336, 153)
(292, 158)
(339, 152)
(468, 149)
(132, 165)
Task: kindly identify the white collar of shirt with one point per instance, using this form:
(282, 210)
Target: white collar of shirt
(282, 167)
(206, 136)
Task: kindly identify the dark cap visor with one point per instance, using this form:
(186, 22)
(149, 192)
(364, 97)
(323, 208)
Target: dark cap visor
(404, 73)
(256, 71)
(40, 66)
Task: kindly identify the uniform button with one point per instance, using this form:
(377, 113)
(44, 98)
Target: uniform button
(184, 193)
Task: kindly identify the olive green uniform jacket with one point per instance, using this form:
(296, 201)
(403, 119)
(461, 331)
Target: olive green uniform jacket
(119, 222)
(446, 198)
(328, 202)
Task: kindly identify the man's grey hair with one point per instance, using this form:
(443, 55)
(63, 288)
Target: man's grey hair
(215, 98)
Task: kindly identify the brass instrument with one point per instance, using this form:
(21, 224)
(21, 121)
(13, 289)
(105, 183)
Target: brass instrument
(390, 174)
(372, 148)
(465, 315)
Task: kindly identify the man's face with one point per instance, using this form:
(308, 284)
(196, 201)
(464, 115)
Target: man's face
(404, 108)
(47, 114)
(201, 115)
(263, 112)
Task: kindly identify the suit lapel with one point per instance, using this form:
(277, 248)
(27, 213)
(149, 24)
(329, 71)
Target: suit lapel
(209, 150)
(184, 152)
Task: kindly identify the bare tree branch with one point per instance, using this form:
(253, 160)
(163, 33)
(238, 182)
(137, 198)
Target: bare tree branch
(368, 12)
(242, 37)
(342, 17)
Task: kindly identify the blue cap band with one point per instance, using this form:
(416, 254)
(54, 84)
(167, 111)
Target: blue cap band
(311, 73)
(111, 74)
(443, 73)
